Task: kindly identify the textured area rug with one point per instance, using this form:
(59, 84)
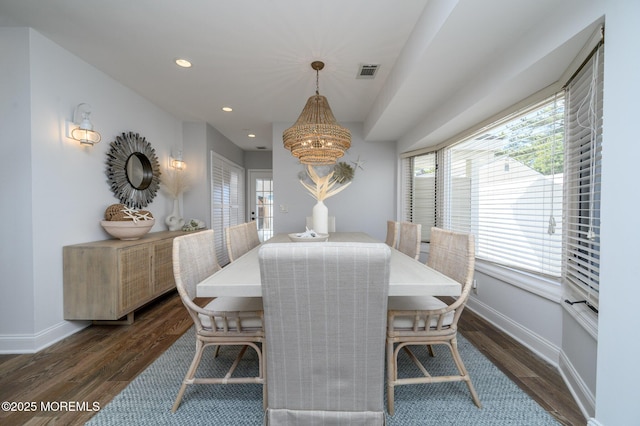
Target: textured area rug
(148, 399)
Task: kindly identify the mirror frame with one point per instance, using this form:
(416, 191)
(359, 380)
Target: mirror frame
(125, 146)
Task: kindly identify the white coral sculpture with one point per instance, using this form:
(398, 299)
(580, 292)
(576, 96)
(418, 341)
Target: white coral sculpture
(135, 215)
(324, 185)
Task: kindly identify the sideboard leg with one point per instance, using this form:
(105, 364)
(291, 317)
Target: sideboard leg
(127, 321)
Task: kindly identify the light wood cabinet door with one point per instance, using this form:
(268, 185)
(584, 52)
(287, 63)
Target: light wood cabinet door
(163, 266)
(134, 277)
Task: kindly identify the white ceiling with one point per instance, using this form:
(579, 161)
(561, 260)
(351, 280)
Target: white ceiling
(444, 64)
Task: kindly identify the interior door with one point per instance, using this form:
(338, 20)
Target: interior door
(261, 201)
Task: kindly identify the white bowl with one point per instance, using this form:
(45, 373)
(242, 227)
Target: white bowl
(317, 239)
(127, 229)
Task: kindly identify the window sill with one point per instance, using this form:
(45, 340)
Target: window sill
(538, 285)
(581, 313)
(546, 288)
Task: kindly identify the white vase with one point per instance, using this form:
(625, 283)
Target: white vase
(174, 221)
(321, 218)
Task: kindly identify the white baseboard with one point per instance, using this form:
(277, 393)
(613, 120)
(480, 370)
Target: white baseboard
(594, 422)
(545, 350)
(539, 345)
(31, 343)
(585, 399)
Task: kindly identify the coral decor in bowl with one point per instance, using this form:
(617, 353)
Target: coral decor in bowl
(305, 238)
(127, 229)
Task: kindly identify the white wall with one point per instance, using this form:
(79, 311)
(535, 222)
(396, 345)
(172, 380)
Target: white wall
(365, 205)
(578, 361)
(258, 160)
(618, 343)
(533, 318)
(16, 246)
(195, 154)
(62, 191)
(199, 140)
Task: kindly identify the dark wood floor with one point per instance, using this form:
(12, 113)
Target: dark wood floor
(95, 364)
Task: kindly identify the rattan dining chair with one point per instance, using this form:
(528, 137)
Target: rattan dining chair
(409, 238)
(225, 321)
(237, 241)
(253, 239)
(325, 310)
(392, 233)
(426, 320)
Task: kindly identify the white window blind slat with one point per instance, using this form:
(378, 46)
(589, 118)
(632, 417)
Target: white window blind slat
(406, 176)
(419, 174)
(583, 157)
(227, 201)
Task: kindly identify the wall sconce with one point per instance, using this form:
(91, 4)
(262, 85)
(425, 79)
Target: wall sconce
(83, 132)
(177, 162)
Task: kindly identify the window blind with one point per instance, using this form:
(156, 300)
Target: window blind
(583, 158)
(419, 175)
(504, 185)
(227, 201)
(406, 183)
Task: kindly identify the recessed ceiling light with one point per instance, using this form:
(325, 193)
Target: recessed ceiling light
(183, 63)
(251, 135)
(227, 109)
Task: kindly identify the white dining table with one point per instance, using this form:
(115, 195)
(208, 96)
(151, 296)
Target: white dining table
(407, 276)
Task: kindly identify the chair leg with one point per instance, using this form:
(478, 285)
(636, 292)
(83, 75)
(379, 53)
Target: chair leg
(431, 354)
(188, 378)
(463, 372)
(392, 375)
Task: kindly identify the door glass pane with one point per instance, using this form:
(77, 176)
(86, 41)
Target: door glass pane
(264, 208)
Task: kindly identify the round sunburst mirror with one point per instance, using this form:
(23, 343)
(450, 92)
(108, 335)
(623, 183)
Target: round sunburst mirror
(133, 170)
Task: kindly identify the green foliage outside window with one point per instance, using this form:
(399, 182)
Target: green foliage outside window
(536, 140)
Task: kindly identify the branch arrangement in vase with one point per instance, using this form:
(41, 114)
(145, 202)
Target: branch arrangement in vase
(323, 186)
(174, 183)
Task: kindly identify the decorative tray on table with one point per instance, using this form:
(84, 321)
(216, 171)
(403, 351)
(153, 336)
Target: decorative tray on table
(309, 236)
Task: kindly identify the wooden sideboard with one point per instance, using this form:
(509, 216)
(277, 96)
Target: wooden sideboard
(108, 280)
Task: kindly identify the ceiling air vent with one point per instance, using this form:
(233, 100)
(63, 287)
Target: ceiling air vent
(367, 70)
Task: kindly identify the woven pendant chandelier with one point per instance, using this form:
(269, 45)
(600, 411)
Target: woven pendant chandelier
(316, 137)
